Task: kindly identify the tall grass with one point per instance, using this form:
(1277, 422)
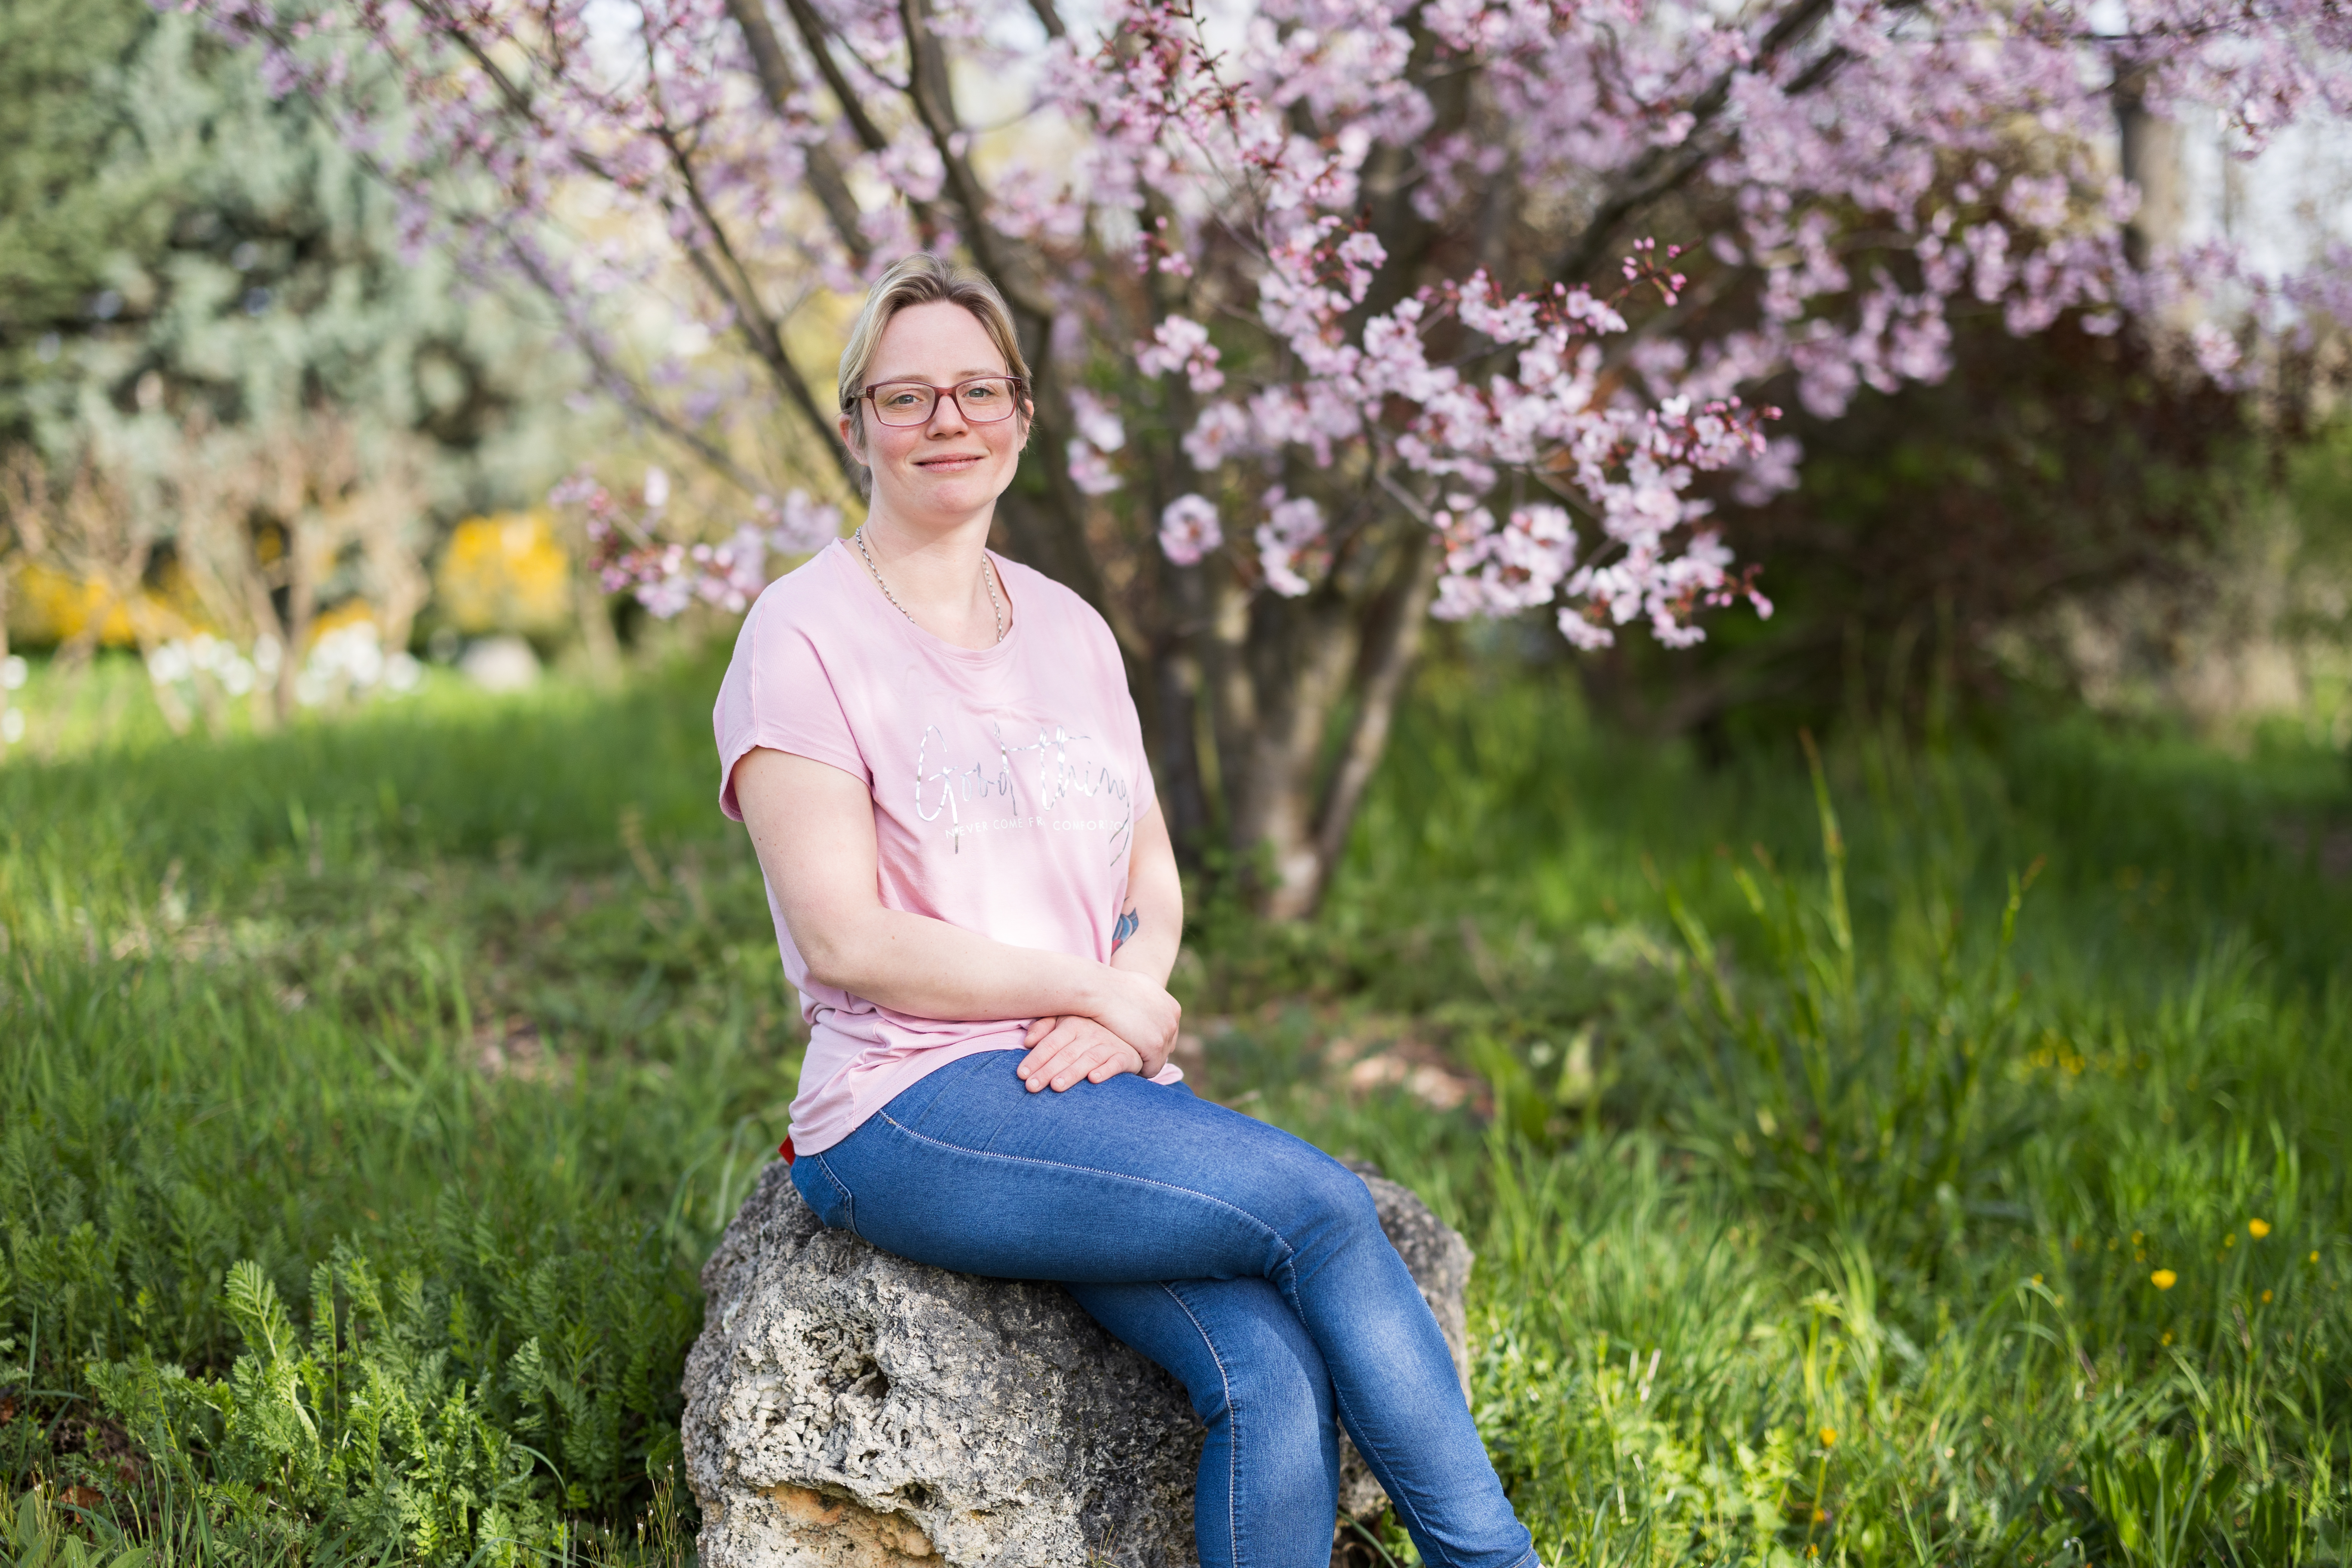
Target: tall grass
(1920, 1154)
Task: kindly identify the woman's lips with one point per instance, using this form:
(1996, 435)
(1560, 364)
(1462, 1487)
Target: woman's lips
(951, 464)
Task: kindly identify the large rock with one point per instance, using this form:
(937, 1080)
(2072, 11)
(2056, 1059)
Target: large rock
(846, 1408)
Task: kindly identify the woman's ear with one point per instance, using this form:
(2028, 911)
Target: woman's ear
(846, 427)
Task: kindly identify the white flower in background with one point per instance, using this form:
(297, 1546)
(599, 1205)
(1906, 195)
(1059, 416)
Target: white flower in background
(345, 662)
(183, 661)
(12, 726)
(14, 672)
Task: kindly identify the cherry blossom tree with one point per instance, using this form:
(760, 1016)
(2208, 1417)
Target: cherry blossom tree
(1342, 313)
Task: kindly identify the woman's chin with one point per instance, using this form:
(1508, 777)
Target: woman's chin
(947, 498)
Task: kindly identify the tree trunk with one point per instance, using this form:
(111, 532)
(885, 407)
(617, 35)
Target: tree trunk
(1299, 695)
(2148, 150)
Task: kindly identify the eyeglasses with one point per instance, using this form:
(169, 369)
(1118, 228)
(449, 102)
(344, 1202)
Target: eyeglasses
(985, 399)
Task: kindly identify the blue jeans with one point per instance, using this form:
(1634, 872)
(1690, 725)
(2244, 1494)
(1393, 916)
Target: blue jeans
(1246, 1261)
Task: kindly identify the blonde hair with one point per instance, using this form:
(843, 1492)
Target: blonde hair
(923, 279)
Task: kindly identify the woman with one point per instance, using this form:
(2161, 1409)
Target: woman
(973, 888)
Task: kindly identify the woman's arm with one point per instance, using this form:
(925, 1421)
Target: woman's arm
(1066, 1047)
(1155, 896)
(812, 826)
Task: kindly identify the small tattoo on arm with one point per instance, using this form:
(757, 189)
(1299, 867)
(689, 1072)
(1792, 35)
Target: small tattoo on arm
(1128, 925)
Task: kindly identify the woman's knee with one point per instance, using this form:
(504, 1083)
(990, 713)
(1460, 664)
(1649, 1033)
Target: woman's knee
(1335, 1195)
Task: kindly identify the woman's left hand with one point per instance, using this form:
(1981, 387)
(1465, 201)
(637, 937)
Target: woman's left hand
(1072, 1047)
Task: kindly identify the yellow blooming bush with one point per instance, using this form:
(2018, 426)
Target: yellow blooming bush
(47, 606)
(505, 574)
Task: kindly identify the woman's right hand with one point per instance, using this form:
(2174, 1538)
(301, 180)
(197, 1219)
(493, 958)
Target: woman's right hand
(1137, 1010)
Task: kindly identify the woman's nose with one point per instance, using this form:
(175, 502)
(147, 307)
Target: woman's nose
(946, 416)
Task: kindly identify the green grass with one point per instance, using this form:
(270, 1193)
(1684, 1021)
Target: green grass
(372, 1093)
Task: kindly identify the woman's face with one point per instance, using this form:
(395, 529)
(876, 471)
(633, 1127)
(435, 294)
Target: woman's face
(944, 471)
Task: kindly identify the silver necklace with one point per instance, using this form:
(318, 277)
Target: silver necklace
(987, 580)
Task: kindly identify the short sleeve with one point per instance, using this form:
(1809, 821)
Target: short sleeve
(777, 693)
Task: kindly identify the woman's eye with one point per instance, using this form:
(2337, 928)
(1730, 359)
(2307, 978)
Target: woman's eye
(981, 392)
(902, 399)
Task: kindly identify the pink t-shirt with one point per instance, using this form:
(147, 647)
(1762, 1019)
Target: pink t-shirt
(1007, 781)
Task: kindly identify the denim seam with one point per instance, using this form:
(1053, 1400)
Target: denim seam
(848, 1199)
(1339, 1397)
(1232, 1424)
(1287, 1267)
(1283, 1241)
(1404, 1505)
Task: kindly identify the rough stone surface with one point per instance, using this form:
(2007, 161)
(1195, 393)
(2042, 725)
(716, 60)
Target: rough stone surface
(846, 1408)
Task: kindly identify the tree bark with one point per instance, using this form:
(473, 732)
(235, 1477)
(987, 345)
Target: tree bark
(2149, 149)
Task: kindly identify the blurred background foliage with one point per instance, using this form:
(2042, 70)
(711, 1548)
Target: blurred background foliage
(1894, 1063)
(237, 389)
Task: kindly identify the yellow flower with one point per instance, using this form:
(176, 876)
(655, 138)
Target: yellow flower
(2266, 1297)
(2164, 1278)
(1828, 1437)
(2037, 1279)
(2231, 1239)
(2315, 1256)
(2258, 1228)
(2168, 1338)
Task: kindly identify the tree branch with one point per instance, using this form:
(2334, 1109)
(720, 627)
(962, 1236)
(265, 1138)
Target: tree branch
(759, 327)
(810, 27)
(825, 180)
(1661, 170)
(933, 95)
(1391, 641)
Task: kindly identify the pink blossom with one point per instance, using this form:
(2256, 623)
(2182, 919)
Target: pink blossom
(1289, 535)
(1858, 173)
(1089, 469)
(1180, 344)
(1188, 529)
(1096, 421)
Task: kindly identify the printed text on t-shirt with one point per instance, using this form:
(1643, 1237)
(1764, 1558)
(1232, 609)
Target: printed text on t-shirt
(942, 788)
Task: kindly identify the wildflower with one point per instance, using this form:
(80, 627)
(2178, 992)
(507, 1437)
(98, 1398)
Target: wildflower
(2164, 1278)
(2258, 1228)
(1828, 1437)
(2314, 1256)
(2266, 1297)
(2037, 1279)
(2168, 1338)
